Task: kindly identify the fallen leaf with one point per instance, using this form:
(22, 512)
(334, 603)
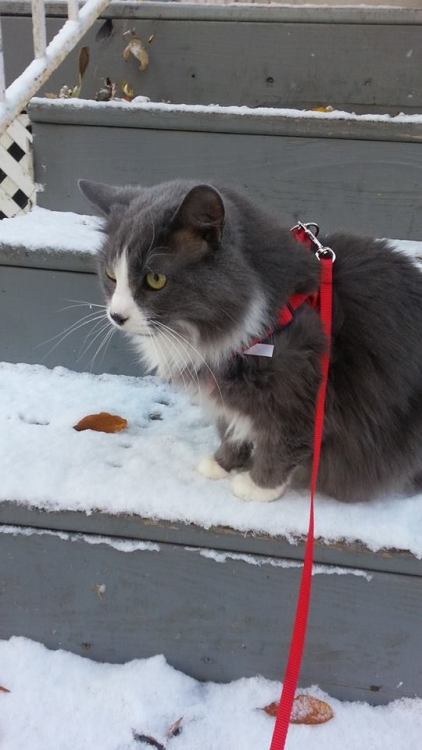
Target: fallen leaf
(306, 710)
(137, 49)
(127, 90)
(102, 422)
(322, 109)
(271, 709)
(309, 710)
(175, 729)
(83, 61)
(100, 589)
(3, 689)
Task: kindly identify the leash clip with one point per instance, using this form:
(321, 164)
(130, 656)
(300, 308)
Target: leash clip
(326, 253)
(321, 252)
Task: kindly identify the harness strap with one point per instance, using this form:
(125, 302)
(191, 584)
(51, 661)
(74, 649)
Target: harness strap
(297, 642)
(286, 313)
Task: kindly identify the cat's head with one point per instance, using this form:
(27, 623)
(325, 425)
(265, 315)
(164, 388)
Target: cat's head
(171, 266)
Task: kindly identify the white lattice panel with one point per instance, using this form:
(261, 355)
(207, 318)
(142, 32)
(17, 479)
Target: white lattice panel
(17, 188)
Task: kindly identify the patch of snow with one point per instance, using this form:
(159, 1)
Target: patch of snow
(122, 545)
(42, 229)
(64, 231)
(59, 700)
(150, 469)
(203, 109)
(326, 570)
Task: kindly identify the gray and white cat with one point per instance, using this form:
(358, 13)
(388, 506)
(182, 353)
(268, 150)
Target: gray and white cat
(194, 274)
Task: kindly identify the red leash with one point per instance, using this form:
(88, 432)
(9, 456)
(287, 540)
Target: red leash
(326, 257)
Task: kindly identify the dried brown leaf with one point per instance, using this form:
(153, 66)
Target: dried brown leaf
(102, 422)
(137, 49)
(271, 709)
(309, 710)
(83, 61)
(175, 729)
(127, 90)
(306, 710)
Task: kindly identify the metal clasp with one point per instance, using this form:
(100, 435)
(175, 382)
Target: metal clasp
(321, 251)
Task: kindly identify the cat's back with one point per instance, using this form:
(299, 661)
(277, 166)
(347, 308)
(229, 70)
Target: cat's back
(374, 275)
(378, 303)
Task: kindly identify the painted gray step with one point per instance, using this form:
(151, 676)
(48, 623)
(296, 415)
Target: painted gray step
(223, 539)
(215, 621)
(234, 56)
(363, 186)
(295, 11)
(31, 310)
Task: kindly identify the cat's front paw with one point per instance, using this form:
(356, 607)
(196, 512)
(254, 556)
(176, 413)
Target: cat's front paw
(211, 469)
(245, 488)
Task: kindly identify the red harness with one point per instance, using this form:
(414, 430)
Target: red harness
(303, 234)
(323, 300)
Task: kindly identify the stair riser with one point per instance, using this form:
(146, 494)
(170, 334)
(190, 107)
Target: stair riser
(358, 66)
(359, 184)
(216, 621)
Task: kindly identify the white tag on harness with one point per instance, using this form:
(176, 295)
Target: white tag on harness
(261, 350)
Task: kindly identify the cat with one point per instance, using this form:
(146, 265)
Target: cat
(194, 273)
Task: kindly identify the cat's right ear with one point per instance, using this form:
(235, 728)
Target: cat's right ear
(105, 197)
(201, 212)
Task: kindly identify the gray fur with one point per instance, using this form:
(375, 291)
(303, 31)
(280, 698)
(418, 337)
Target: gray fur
(220, 252)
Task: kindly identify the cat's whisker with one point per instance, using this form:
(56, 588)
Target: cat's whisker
(179, 335)
(108, 338)
(166, 331)
(102, 343)
(72, 329)
(192, 369)
(173, 341)
(77, 303)
(185, 362)
(87, 318)
(93, 330)
(105, 342)
(159, 351)
(99, 328)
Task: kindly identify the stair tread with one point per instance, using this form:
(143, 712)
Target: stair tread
(149, 469)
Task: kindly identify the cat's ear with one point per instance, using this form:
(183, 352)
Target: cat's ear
(105, 197)
(202, 212)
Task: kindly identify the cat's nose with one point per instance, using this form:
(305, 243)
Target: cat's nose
(118, 319)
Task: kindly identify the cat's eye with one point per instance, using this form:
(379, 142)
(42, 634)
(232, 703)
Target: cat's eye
(110, 275)
(156, 281)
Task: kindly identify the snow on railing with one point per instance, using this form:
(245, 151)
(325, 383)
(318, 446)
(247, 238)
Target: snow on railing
(46, 57)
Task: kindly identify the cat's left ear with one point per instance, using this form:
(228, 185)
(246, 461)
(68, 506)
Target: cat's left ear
(202, 212)
(105, 197)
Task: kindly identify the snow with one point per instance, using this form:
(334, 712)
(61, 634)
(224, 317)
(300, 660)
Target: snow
(59, 700)
(150, 469)
(64, 231)
(122, 545)
(216, 109)
(42, 229)
(317, 570)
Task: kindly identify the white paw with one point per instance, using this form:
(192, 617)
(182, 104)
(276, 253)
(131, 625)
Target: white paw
(244, 487)
(209, 468)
